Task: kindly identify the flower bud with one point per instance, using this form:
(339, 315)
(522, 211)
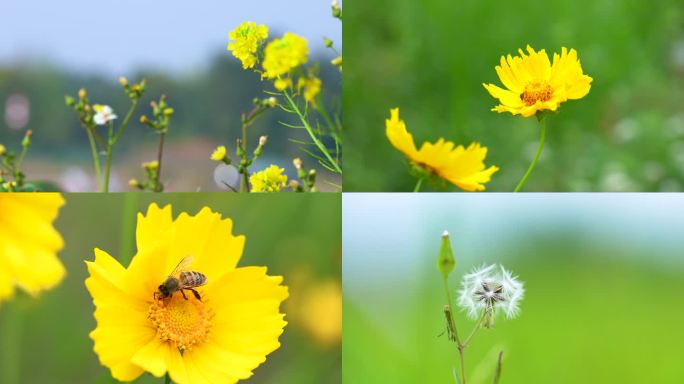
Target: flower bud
(82, 93)
(168, 111)
(123, 81)
(328, 43)
(263, 140)
(298, 163)
(337, 61)
(133, 183)
(446, 262)
(144, 119)
(70, 101)
(272, 102)
(151, 165)
(26, 142)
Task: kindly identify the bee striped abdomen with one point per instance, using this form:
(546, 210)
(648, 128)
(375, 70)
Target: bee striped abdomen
(191, 279)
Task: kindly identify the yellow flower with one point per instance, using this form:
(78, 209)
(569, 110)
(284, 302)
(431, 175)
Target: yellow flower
(463, 167)
(282, 84)
(29, 243)
(534, 84)
(221, 338)
(3, 150)
(270, 179)
(245, 41)
(311, 85)
(151, 165)
(219, 153)
(284, 54)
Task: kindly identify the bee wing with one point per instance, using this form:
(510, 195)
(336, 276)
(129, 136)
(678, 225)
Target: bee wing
(184, 265)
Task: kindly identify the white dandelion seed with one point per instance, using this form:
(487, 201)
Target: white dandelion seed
(489, 289)
(103, 114)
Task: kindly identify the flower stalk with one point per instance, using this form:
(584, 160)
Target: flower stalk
(542, 138)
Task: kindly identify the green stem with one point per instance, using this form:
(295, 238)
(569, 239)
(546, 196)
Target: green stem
(96, 159)
(108, 161)
(312, 135)
(160, 152)
(450, 301)
(497, 374)
(474, 331)
(10, 339)
(418, 185)
(244, 183)
(167, 379)
(125, 121)
(522, 182)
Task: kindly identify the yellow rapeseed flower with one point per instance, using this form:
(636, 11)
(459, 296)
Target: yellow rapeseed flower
(534, 84)
(221, 338)
(463, 167)
(29, 243)
(282, 84)
(245, 41)
(270, 179)
(311, 86)
(219, 153)
(284, 54)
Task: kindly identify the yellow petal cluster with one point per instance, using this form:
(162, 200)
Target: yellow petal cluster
(245, 41)
(270, 179)
(220, 339)
(284, 54)
(463, 167)
(535, 84)
(29, 243)
(312, 87)
(219, 153)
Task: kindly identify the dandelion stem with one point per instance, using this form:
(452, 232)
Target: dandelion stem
(418, 185)
(319, 144)
(96, 160)
(474, 331)
(458, 340)
(497, 374)
(542, 125)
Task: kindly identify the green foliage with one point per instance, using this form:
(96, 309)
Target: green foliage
(430, 58)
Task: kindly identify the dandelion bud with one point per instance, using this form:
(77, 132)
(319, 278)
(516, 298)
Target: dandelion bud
(82, 93)
(446, 262)
(298, 163)
(123, 81)
(328, 43)
(3, 150)
(272, 102)
(70, 101)
(26, 142)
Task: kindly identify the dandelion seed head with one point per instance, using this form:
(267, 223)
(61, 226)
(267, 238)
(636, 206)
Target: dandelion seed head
(490, 288)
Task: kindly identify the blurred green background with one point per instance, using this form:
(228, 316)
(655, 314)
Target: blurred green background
(295, 237)
(601, 274)
(431, 57)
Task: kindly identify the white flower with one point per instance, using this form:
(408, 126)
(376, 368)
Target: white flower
(103, 114)
(489, 289)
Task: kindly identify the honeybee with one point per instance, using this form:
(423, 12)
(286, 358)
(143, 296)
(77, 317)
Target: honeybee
(181, 279)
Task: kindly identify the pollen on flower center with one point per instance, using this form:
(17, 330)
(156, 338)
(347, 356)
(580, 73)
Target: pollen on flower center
(536, 91)
(182, 322)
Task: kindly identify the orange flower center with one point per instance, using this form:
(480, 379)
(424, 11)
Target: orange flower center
(182, 322)
(536, 91)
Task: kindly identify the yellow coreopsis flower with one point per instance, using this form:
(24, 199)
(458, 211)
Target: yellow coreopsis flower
(245, 41)
(534, 84)
(311, 86)
(219, 335)
(270, 179)
(284, 54)
(29, 243)
(463, 167)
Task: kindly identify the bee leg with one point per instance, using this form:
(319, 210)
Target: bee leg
(197, 295)
(183, 292)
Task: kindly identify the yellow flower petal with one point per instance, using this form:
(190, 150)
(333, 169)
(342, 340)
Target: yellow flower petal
(535, 84)
(462, 167)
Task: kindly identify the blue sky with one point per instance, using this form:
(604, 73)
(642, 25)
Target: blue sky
(114, 37)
